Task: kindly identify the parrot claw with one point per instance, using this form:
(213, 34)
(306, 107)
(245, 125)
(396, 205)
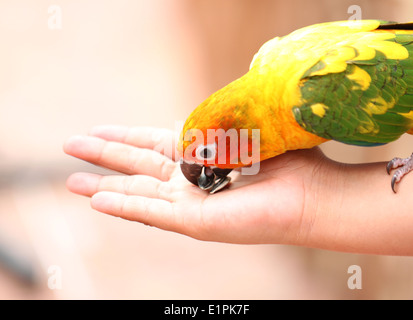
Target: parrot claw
(393, 182)
(389, 166)
(404, 165)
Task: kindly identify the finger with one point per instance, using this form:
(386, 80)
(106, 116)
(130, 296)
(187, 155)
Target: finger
(120, 157)
(85, 184)
(88, 184)
(158, 139)
(154, 212)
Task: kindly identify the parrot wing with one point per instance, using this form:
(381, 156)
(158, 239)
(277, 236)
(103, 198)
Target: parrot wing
(360, 91)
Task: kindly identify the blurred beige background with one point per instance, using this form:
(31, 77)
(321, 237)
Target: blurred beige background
(141, 62)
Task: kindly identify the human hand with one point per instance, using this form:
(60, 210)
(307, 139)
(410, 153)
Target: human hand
(300, 197)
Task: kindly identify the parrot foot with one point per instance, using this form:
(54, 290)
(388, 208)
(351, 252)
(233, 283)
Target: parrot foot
(404, 167)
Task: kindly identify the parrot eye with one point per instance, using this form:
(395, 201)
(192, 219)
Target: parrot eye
(206, 152)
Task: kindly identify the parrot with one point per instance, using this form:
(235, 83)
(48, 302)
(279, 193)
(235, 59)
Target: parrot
(350, 81)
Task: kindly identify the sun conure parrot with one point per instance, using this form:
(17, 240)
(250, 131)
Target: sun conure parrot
(349, 81)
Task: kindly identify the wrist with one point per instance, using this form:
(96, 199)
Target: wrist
(354, 209)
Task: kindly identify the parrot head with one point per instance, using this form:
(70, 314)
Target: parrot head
(205, 161)
(217, 137)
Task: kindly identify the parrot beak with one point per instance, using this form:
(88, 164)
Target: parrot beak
(211, 179)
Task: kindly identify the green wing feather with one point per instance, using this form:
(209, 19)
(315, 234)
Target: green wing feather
(371, 101)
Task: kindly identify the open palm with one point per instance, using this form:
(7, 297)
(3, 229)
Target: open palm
(261, 208)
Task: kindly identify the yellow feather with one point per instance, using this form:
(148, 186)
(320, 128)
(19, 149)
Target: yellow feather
(361, 77)
(378, 106)
(319, 109)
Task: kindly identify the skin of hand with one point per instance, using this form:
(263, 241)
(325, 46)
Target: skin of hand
(298, 198)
